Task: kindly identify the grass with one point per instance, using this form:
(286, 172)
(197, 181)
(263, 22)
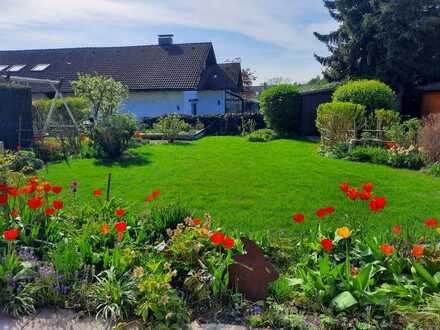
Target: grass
(252, 187)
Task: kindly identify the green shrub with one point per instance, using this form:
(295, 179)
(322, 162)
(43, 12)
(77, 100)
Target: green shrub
(166, 217)
(21, 161)
(369, 154)
(49, 149)
(338, 122)
(262, 135)
(385, 119)
(281, 106)
(171, 126)
(405, 134)
(372, 94)
(410, 158)
(112, 135)
(433, 169)
(78, 106)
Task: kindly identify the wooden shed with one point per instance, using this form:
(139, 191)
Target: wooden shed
(430, 99)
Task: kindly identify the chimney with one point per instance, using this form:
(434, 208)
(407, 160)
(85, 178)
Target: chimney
(165, 39)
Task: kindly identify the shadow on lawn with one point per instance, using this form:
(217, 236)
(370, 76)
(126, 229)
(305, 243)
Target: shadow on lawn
(132, 158)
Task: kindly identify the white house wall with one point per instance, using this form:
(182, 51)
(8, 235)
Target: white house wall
(211, 102)
(157, 103)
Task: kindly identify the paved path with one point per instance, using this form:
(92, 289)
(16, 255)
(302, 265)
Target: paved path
(48, 319)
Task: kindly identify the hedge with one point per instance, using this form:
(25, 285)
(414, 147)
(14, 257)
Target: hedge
(282, 106)
(227, 124)
(373, 94)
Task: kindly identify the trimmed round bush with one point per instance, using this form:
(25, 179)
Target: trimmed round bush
(372, 94)
(281, 107)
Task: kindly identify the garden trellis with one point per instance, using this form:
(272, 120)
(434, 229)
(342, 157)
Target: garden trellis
(56, 86)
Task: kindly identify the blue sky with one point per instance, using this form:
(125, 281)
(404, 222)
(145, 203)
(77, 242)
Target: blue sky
(274, 38)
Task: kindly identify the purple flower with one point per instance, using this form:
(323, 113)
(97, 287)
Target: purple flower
(74, 186)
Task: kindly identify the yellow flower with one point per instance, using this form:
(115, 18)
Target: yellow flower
(343, 232)
(438, 230)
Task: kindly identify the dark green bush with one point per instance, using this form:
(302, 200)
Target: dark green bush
(372, 94)
(227, 124)
(369, 154)
(262, 135)
(111, 136)
(281, 106)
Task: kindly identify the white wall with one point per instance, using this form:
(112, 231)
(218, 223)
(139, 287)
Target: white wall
(156, 103)
(153, 104)
(211, 102)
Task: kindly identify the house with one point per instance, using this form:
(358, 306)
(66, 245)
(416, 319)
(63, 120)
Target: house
(162, 78)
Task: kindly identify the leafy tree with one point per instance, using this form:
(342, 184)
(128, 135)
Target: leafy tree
(104, 94)
(248, 77)
(395, 41)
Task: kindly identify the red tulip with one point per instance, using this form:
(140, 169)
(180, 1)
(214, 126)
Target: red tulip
(3, 186)
(353, 194)
(378, 204)
(3, 199)
(156, 193)
(97, 193)
(35, 203)
(344, 187)
(431, 223)
(14, 213)
(228, 243)
(396, 230)
(387, 249)
(368, 187)
(365, 195)
(120, 212)
(58, 205)
(327, 244)
(197, 221)
(217, 238)
(11, 234)
(57, 189)
(49, 211)
(298, 218)
(330, 210)
(321, 213)
(12, 191)
(120, 228)
(46, 187)
(105, 229)
(417, 250)
(150, 198)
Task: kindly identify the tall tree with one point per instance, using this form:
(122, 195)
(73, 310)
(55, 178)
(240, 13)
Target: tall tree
(392, 40)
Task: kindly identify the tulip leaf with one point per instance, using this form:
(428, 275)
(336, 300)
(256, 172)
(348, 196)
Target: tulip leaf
(362, 279)
(431, 280)
(324, 265)
(343, 301)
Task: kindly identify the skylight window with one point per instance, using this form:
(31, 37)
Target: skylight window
(16, 68)
(2, 67)
(40, 67)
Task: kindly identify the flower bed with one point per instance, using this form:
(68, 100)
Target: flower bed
(164, 267)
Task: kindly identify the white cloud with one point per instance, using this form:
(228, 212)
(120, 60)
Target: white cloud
(275, 22)
(288, 24)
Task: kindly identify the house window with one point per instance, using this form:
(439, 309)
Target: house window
(16, 68)
(2, 67)
(40, 67)
(194, 109)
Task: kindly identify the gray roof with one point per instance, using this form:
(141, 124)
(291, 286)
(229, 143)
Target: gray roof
(155, 67)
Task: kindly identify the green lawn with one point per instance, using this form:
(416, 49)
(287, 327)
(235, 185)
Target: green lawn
(253, 187)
